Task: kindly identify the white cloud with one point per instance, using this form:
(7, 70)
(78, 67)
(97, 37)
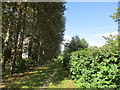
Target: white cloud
(111, 33)
(106, 34)
(62, 47)
(67, 39)
(92, 43)
(102, 28)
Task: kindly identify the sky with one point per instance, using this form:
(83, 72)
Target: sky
(90, 20)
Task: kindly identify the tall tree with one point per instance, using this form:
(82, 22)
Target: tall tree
(75, 44)
(36, 28)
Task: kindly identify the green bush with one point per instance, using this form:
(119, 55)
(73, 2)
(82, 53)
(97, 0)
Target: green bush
(59, 58)
(98, 68)
(24, 64)
(21, 65)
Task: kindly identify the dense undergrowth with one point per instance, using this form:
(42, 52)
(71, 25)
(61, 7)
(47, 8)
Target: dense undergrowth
(95, 67)
(21, 66)
(91, 67)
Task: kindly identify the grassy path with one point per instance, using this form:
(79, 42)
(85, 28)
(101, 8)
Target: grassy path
(66, 83)
(51, 75)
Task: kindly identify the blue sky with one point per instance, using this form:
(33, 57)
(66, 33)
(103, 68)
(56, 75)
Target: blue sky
(90, 20)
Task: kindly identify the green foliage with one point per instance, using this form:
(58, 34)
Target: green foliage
(98, 68)
(59, 58)
(36, 77)
(23, 65)
(116, 15)
(75, 44)
(35, 28)
(0, 44)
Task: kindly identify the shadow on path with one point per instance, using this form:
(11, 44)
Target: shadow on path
(35, 78)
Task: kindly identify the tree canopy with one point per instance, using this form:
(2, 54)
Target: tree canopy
(75, 44)
(35, 29)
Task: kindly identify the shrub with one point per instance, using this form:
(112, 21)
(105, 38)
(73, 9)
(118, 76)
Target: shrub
(98, 68)
(24, 64)
(59, 58)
